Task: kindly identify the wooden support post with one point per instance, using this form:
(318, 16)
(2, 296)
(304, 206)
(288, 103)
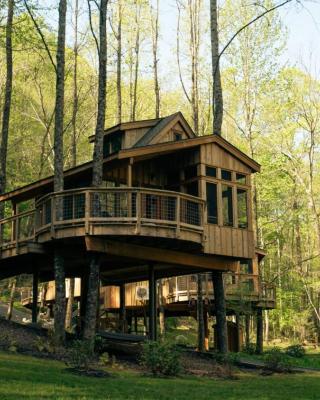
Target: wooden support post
(200, 315)
(136, 324)
(35, 295)
(247, 323)
(152, 305)
(220, 306)
(123, 308)
(259, 344)
(238, 325)
(83, 301)
(206, 330)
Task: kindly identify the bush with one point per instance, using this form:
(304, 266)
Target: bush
(275, 360)
(249, 348)
(80, 355)
(161, 358)
(296, 350)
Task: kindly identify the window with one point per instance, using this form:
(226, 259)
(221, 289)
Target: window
(226, 175)
(241, 178)
(111, 144)
(190, 172)
(211, 171)
(177, 137)
(242, 208)
(212, 203)
(227, 208)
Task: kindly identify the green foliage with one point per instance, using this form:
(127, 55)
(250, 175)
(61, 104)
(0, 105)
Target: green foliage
(80, 355)
(276, 360)
(161, 358)
(249, 348)
(295, 350)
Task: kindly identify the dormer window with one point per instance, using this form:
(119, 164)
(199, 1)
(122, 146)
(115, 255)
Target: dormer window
(112, 144)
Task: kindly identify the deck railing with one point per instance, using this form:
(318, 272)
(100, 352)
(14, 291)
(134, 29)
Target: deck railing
(87, 207)
(237, 285)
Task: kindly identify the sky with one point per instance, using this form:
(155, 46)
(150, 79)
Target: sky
(302, 20)
(303, 24)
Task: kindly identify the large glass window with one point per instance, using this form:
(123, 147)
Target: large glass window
(241, 178)
(211, 171)
(226, 175)
(242, 208)
(227, 208)
(212, 203)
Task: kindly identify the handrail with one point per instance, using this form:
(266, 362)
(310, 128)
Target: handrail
(236, 284)
(91, 206)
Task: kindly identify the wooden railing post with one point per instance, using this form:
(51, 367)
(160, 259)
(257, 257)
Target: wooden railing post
(53, 216)
(87, 213)
(138, 212)
(16, 233)
(178, 216)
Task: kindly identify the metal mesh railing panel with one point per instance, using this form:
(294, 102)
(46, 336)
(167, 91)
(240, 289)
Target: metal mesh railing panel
(158, 207)
(190, 212)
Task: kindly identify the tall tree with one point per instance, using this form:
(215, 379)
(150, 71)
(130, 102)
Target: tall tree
(217, 97)
(58, 181)
(154, 18)
(97, 173)
(74, 143)
(7, 102)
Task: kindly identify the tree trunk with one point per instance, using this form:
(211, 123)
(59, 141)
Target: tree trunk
(75, 86)
(59, 273)
(216, 78)
(247, 323)
(137, 61)
(200, 319)
(162, 321)
(155, 38)
(70, 302)
(97, 175)
(97, 167)
(259, 344)
(220, 306)
(6, 105)
(92, 300)
(11, 299)
(119, 62)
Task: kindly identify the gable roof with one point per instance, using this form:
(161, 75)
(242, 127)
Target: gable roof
(165, 123)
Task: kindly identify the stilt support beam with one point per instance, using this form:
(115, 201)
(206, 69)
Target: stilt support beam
(152, 305)
(220, 307)
(35, 296)
(259, 345)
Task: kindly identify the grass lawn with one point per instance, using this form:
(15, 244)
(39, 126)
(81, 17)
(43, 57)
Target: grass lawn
(24, 377)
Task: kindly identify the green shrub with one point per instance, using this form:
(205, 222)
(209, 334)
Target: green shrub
(296, 350)
(275, 360)
(225, 359)
(161, 358)
(249, 348)
(80, 355)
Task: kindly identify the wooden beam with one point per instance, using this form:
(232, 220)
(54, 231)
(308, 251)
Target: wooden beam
(35, 295)
(152, 304)
(144, 253)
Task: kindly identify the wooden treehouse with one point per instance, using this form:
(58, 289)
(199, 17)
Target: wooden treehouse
(172, 205)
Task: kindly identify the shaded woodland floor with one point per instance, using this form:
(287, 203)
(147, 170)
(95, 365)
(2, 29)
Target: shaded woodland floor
(24, 377)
